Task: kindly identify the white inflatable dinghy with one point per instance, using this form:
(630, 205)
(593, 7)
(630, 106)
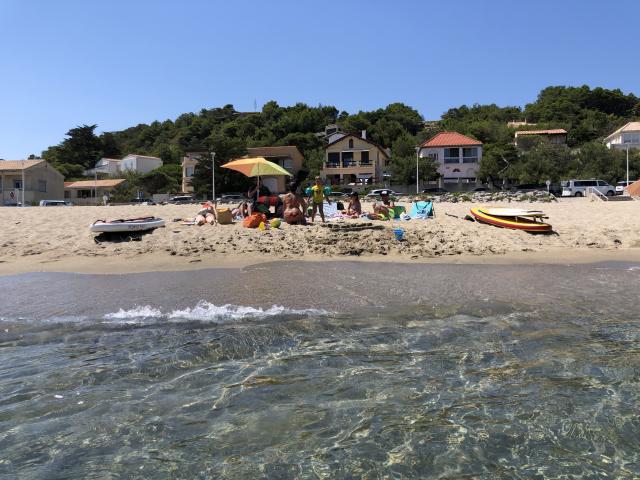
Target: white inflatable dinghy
(126, 225)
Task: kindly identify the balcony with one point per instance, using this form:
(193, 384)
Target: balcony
(348, 164)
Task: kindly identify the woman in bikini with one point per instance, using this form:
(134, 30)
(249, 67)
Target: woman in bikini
(294, 206)
(207, 214)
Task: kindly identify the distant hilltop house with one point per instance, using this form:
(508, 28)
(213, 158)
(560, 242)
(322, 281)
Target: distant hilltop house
(556, 136)
(625, 137)
(331, 133)
(41, 182)
(90, 192)
(354, 159)
(518, 124)
(457, 155)
(112, 167)
(287, 156)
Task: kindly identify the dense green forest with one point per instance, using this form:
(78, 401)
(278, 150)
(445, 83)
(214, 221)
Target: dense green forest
(587, 114)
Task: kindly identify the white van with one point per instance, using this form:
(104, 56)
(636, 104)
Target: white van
(578, 188)
(55, 203)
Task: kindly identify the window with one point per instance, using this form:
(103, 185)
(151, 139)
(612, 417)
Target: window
(42, 185)
(347, 159)
(433, 156)
(333, 159)
(364, 157)
(351, 143)
(188, 172)
(470, 155)
(287, 163)
(452, 155)
(17, 184)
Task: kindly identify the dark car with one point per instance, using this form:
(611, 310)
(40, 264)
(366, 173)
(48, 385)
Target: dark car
(435, 191)
(528, 187)
(481, 189)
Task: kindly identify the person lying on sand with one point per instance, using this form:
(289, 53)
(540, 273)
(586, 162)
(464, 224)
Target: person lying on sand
(294, 206)
(207, 214)
(354, 209)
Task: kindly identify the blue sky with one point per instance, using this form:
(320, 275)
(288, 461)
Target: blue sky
(119, 63)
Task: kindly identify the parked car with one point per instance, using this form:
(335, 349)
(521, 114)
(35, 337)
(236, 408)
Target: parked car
(182, 199)
(376, 193)
(142, 201)
(528, 187)
(578, 188)
(55, 203)
(481, 189)
(232, 198)
(620, 186)
(435, 191)
(339, 195)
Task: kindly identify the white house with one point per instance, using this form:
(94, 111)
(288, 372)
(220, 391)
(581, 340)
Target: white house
(457, 155)
(105, 166)
(625, 137)
(139, 163)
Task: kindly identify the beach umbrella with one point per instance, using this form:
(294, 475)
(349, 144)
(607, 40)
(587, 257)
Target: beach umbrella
(256, 167)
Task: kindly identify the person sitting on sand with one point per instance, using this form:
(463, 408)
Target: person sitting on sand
(294, 206)
(354, 209)
(317, 198)
(254, 194)
(207, 214)
(383, 209)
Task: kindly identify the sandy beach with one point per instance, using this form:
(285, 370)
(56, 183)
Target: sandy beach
(58, 239)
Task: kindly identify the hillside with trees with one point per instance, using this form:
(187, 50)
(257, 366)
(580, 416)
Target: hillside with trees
(587, 114)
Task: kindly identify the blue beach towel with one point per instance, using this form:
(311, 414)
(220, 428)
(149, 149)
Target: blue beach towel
(421, 210)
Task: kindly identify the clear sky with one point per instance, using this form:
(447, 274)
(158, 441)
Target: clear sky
(117, 63)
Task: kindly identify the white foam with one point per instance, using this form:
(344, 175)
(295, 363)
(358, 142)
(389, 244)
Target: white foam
(135, 312)
(206, 311)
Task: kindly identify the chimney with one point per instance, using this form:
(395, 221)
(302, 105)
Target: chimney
(364, 134)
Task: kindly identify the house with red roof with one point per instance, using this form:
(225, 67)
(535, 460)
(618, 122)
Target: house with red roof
(457, 155)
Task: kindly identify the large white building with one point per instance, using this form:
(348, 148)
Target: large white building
(625, 137)
(139, 163)
(457, 155)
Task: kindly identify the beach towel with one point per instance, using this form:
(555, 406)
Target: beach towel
(421, 210)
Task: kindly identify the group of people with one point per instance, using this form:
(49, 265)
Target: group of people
(292, 207)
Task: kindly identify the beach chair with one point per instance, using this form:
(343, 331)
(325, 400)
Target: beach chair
(422, 210)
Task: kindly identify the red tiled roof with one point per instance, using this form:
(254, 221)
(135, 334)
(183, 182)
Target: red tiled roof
(94, 183)
(19, 164)
(450, 139)
(557, 131)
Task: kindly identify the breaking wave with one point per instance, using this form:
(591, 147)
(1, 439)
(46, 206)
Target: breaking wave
(207, 312)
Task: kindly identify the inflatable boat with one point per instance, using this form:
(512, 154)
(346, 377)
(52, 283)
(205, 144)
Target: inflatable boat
(126, 225)
(528, 223)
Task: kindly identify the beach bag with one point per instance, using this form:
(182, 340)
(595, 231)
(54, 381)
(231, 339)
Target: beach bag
(224, 216)
(254, 220)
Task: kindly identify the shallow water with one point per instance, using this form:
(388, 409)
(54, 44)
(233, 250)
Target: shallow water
(371, 384)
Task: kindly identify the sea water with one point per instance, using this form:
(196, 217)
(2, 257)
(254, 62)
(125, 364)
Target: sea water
(322, 371)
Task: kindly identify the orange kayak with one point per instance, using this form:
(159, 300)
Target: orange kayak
(513, 222)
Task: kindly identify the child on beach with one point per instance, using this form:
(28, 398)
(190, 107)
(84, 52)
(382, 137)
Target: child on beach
(318, 196)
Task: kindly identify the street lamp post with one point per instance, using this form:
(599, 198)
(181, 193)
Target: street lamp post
(417, 170)
(213, 176)
(627, 164)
